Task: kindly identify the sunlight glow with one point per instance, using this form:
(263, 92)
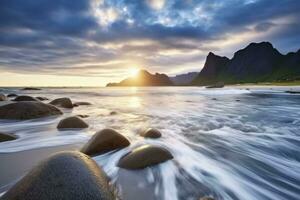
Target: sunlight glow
(134, 72)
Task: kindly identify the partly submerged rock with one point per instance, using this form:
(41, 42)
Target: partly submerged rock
(25, 98)
(66, 175)
(31, 88)
(83, 116)
(7, 137)
(27, 110)
(81, 103)
(12, 95)
(104, 141)
(113, 113)
(62, 102)
(292, 92)
(42, 98)
(151, 133)
(72, 122)
(144, 156)
(2, 97)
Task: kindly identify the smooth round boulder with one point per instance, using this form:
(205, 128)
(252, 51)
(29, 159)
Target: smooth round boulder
(65, 175)
(144, 156)
(12, 95)
(24, 110)
(72, 123)
(62, 102)
(2, 97)
(104, 141)
(25, 98)
(7, 137)
(151, 133)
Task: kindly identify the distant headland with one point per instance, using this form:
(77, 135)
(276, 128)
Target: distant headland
(144, 78)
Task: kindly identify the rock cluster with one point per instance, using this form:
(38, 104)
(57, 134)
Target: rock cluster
(74, 175)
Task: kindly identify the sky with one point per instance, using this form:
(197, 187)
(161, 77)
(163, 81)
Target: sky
(93, 42)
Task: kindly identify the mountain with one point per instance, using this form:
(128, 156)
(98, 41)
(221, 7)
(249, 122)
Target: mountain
(213, 66)
(258, 62)
(184, 79)
(144, 78)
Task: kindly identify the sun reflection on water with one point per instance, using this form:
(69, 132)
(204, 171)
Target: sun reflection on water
(134, 102)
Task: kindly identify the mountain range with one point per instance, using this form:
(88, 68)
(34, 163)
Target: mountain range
(258, 62)
(184, 79)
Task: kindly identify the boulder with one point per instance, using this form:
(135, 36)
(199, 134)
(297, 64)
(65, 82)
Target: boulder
(113, 113)
(72, 122)
(25, 98)
(151, 133)
(42, 98)
(104, 141)
(62, 102)
(82, 103)
(7, 137)
(83, 116)
(292, 92)
(27, 110)
(2, 97)
(31, 88)
(12, 95)
(65, 175)
(144, 156)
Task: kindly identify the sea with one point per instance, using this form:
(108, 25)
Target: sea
(232, 143)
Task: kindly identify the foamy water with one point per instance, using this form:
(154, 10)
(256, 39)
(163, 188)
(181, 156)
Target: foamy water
(229, 143)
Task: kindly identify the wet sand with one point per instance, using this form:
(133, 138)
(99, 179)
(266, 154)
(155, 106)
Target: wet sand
(15, 165)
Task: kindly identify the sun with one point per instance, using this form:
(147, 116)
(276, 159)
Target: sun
(134, 71)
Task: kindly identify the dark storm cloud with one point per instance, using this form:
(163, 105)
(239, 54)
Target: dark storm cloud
(44, 35)
(264, 26)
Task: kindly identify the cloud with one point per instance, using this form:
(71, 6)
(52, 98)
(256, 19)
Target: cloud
(169, 36)
(264, 26)
(156, 4)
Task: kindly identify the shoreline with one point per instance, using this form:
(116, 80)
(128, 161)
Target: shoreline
(291, 83)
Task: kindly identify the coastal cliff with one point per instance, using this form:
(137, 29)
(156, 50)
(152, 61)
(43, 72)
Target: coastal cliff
(258, 62)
